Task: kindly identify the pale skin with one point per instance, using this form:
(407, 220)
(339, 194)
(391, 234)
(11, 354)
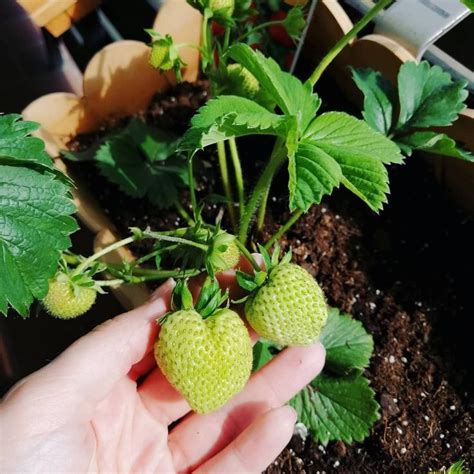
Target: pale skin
(85, 411)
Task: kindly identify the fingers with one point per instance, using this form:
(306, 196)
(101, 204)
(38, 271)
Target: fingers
(257, 446)
(90, 367)
(198, 438)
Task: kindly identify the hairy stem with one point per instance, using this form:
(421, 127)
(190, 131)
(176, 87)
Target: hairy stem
(248, 255)
(192, 189)
(239, 180)
(104, 283)
(221, 153)
(284, 228)
(276, 159)
(344, 41)
(164, 274)
(262, 210)
(110, 248)
(177, 240)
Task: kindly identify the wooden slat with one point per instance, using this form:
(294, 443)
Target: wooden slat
(42, 12)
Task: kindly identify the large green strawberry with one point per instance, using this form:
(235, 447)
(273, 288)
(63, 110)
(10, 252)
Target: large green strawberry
(66, 300)
(207, 360)
(289, 308)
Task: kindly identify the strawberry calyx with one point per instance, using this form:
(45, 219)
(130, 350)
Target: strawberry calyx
(252, 282)
(210, 300)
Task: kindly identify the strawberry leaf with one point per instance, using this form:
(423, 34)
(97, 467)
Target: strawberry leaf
(312, 174)
(35, 216)
(337, 408)
(141, 162)
(360, 152)
(428, 96)
(231, 116)
(348, 346)
(379, 98)
(432, 142)
(289, 93)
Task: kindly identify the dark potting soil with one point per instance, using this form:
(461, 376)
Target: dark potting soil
(406, 274)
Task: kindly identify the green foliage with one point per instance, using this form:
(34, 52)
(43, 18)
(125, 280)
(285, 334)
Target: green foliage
(437, 143)
(35, 215)
(294, 22)
(337, 408)
(339, 404)
(231, 116)
(323, 152)
(379, 96)
(427, 97)
(469, 4)
(339, 148)
(141, 161)
(292, 96)
(348, 346)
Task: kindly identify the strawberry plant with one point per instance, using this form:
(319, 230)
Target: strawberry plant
(251, 95)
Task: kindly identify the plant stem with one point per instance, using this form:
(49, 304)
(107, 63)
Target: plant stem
(226, 39)
(234, 153)
(178, 240)
(103, 283)
(277, 158)
(258, 28)
(183, 213)
(248, 255)
(342, 43)
(192, 190)
(284, 228)
(164, 274)
(110, 248)
(221, 153)
(263, 209)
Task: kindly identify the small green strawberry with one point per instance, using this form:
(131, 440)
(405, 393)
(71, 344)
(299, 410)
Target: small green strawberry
(160, 55)
(204, 352)
(222, 8)
(224, 253)
(287, 305)
(66, 300)
(242, 81)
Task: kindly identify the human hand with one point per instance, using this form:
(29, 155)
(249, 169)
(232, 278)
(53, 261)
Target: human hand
(86, 412)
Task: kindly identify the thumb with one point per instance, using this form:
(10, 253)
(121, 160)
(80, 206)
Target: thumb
(86, 372)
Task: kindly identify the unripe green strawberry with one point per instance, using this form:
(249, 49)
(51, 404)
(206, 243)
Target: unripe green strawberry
(246, 84)
(223, 8)
(159, 55)
(225, 253)
(207, 360)
(66, 301)
(289, 309)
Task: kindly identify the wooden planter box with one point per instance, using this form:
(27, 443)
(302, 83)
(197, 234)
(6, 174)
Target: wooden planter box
(118, 82)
